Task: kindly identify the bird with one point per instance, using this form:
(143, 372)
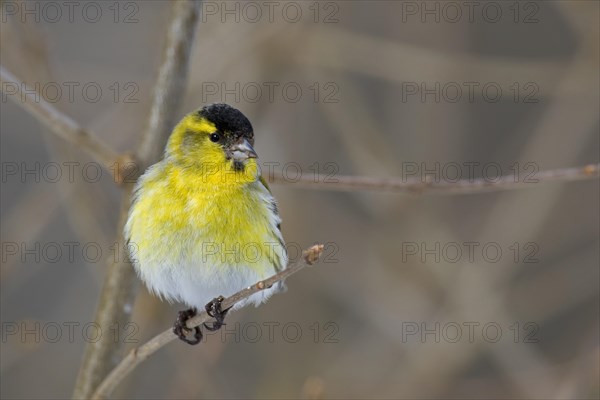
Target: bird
(203, 223)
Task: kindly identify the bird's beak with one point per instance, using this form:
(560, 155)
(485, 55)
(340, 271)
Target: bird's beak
(242, 150)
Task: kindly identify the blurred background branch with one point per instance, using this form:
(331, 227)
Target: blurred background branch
(425, 185)
(59, 123)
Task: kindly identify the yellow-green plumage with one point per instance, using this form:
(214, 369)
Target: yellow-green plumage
(202, 224)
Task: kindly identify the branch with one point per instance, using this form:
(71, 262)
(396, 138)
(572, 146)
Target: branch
(419, 185)
(139, 354)
(57, 122)
(118, 288)
(170, 84)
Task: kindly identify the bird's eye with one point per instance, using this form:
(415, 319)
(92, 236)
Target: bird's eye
(215, 137)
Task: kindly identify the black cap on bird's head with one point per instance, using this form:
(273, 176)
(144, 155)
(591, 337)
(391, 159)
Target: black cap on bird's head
(228, 120)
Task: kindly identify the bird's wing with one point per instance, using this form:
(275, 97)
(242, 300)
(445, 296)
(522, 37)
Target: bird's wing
(273, 204)
(278, 234)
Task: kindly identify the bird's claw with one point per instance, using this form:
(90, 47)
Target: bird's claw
(213, 308)
(181, 330)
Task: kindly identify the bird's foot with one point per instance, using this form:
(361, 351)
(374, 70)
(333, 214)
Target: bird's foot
(213, 309)
(181, 330)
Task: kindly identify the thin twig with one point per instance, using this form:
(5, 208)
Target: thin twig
(56, 121)
(137, 355)
(421, 185)
(118, 289)
(170, 84)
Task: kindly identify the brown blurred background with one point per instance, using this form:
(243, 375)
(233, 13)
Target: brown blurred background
(489, 295)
